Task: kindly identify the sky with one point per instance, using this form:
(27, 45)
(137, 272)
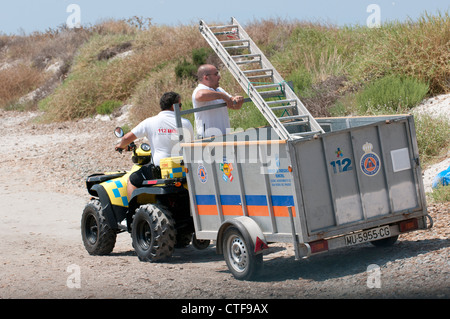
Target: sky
(26, 16)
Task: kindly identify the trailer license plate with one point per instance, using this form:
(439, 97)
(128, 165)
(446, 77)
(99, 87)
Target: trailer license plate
(367, 235)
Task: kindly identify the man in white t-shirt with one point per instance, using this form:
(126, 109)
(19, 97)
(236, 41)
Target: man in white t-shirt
(212, 122)
(161, 132)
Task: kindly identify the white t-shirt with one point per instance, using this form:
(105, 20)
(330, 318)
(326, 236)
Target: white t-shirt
(161, 132)
(212, 122)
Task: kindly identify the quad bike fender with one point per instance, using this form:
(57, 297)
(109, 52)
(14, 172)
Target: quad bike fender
(249, 230)
(113, 214)
(100, 178)
(149, 194)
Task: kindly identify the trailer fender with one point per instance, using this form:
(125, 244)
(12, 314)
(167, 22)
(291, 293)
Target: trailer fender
(249, 229)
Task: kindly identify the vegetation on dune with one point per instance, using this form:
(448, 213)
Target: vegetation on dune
(336, 71)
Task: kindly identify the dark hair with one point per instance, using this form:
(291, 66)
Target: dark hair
(168, 99)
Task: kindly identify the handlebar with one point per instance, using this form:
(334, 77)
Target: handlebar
(129, 148)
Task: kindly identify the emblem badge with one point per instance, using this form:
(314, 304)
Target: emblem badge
(202, 174)
(370, 162)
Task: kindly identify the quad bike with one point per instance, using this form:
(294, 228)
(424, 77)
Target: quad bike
(157, 215)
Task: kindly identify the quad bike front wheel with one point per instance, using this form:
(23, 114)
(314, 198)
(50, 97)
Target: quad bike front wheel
(98, 237)
(153, 233)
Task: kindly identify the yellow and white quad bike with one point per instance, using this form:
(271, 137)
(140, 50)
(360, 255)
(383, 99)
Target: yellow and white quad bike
(157, 214)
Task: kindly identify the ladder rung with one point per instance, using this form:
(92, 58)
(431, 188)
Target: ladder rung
(233, 41)
(282, 107)
(281, 101)
(294, 117)
(257, 77)
(218, 27)
(238, 47)
(294, 123)
(273, 93)
(225, 33)
(267, 86)
(248, 61)
(306, 133)
(246, 56)
(257, 70)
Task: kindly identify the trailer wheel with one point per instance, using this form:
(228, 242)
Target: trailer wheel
(241, 261)
(153, 233)
(98, 237)
(385, 242)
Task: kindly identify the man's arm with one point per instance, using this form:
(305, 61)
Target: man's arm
(125, 141)
(208, 95)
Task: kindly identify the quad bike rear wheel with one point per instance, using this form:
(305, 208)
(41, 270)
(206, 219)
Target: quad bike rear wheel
(98, 237)
(153, 233)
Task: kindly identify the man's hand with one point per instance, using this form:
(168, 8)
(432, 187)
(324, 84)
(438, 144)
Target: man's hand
(125, 142)
(237, 102)
(119, 149)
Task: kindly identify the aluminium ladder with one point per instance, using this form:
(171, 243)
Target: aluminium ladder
(262, 83)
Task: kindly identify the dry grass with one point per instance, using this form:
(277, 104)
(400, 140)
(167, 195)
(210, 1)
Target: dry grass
(147, 94)
(93, 82)
(17, 81)
(24, 60)
(419, 49)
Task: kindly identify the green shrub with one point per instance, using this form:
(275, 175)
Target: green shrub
(441, 194)
(433, 136)
(200, 55)
(108, 107)
(302, 81)
(185, 70)
(392, 94)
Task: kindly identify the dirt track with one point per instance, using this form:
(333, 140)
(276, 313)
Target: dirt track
(42, 195)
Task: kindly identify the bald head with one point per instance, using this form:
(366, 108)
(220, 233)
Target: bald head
(208, 75)
(204, 70)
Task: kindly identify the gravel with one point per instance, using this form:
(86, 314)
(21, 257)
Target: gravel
(42, 176)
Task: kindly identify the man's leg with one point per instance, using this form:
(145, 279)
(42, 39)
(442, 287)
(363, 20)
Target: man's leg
(137, 178)
(130, 189)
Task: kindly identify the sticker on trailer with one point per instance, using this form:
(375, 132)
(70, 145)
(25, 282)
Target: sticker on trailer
(202, 174)
(279, 178)
(341, 165)
(370, 162)
(226, 168)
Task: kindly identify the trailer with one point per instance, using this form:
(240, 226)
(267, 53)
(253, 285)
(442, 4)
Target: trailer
(320, 184)
(358, 182)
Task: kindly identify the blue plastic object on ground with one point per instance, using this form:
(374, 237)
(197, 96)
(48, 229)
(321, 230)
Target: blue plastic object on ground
(443, 178)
